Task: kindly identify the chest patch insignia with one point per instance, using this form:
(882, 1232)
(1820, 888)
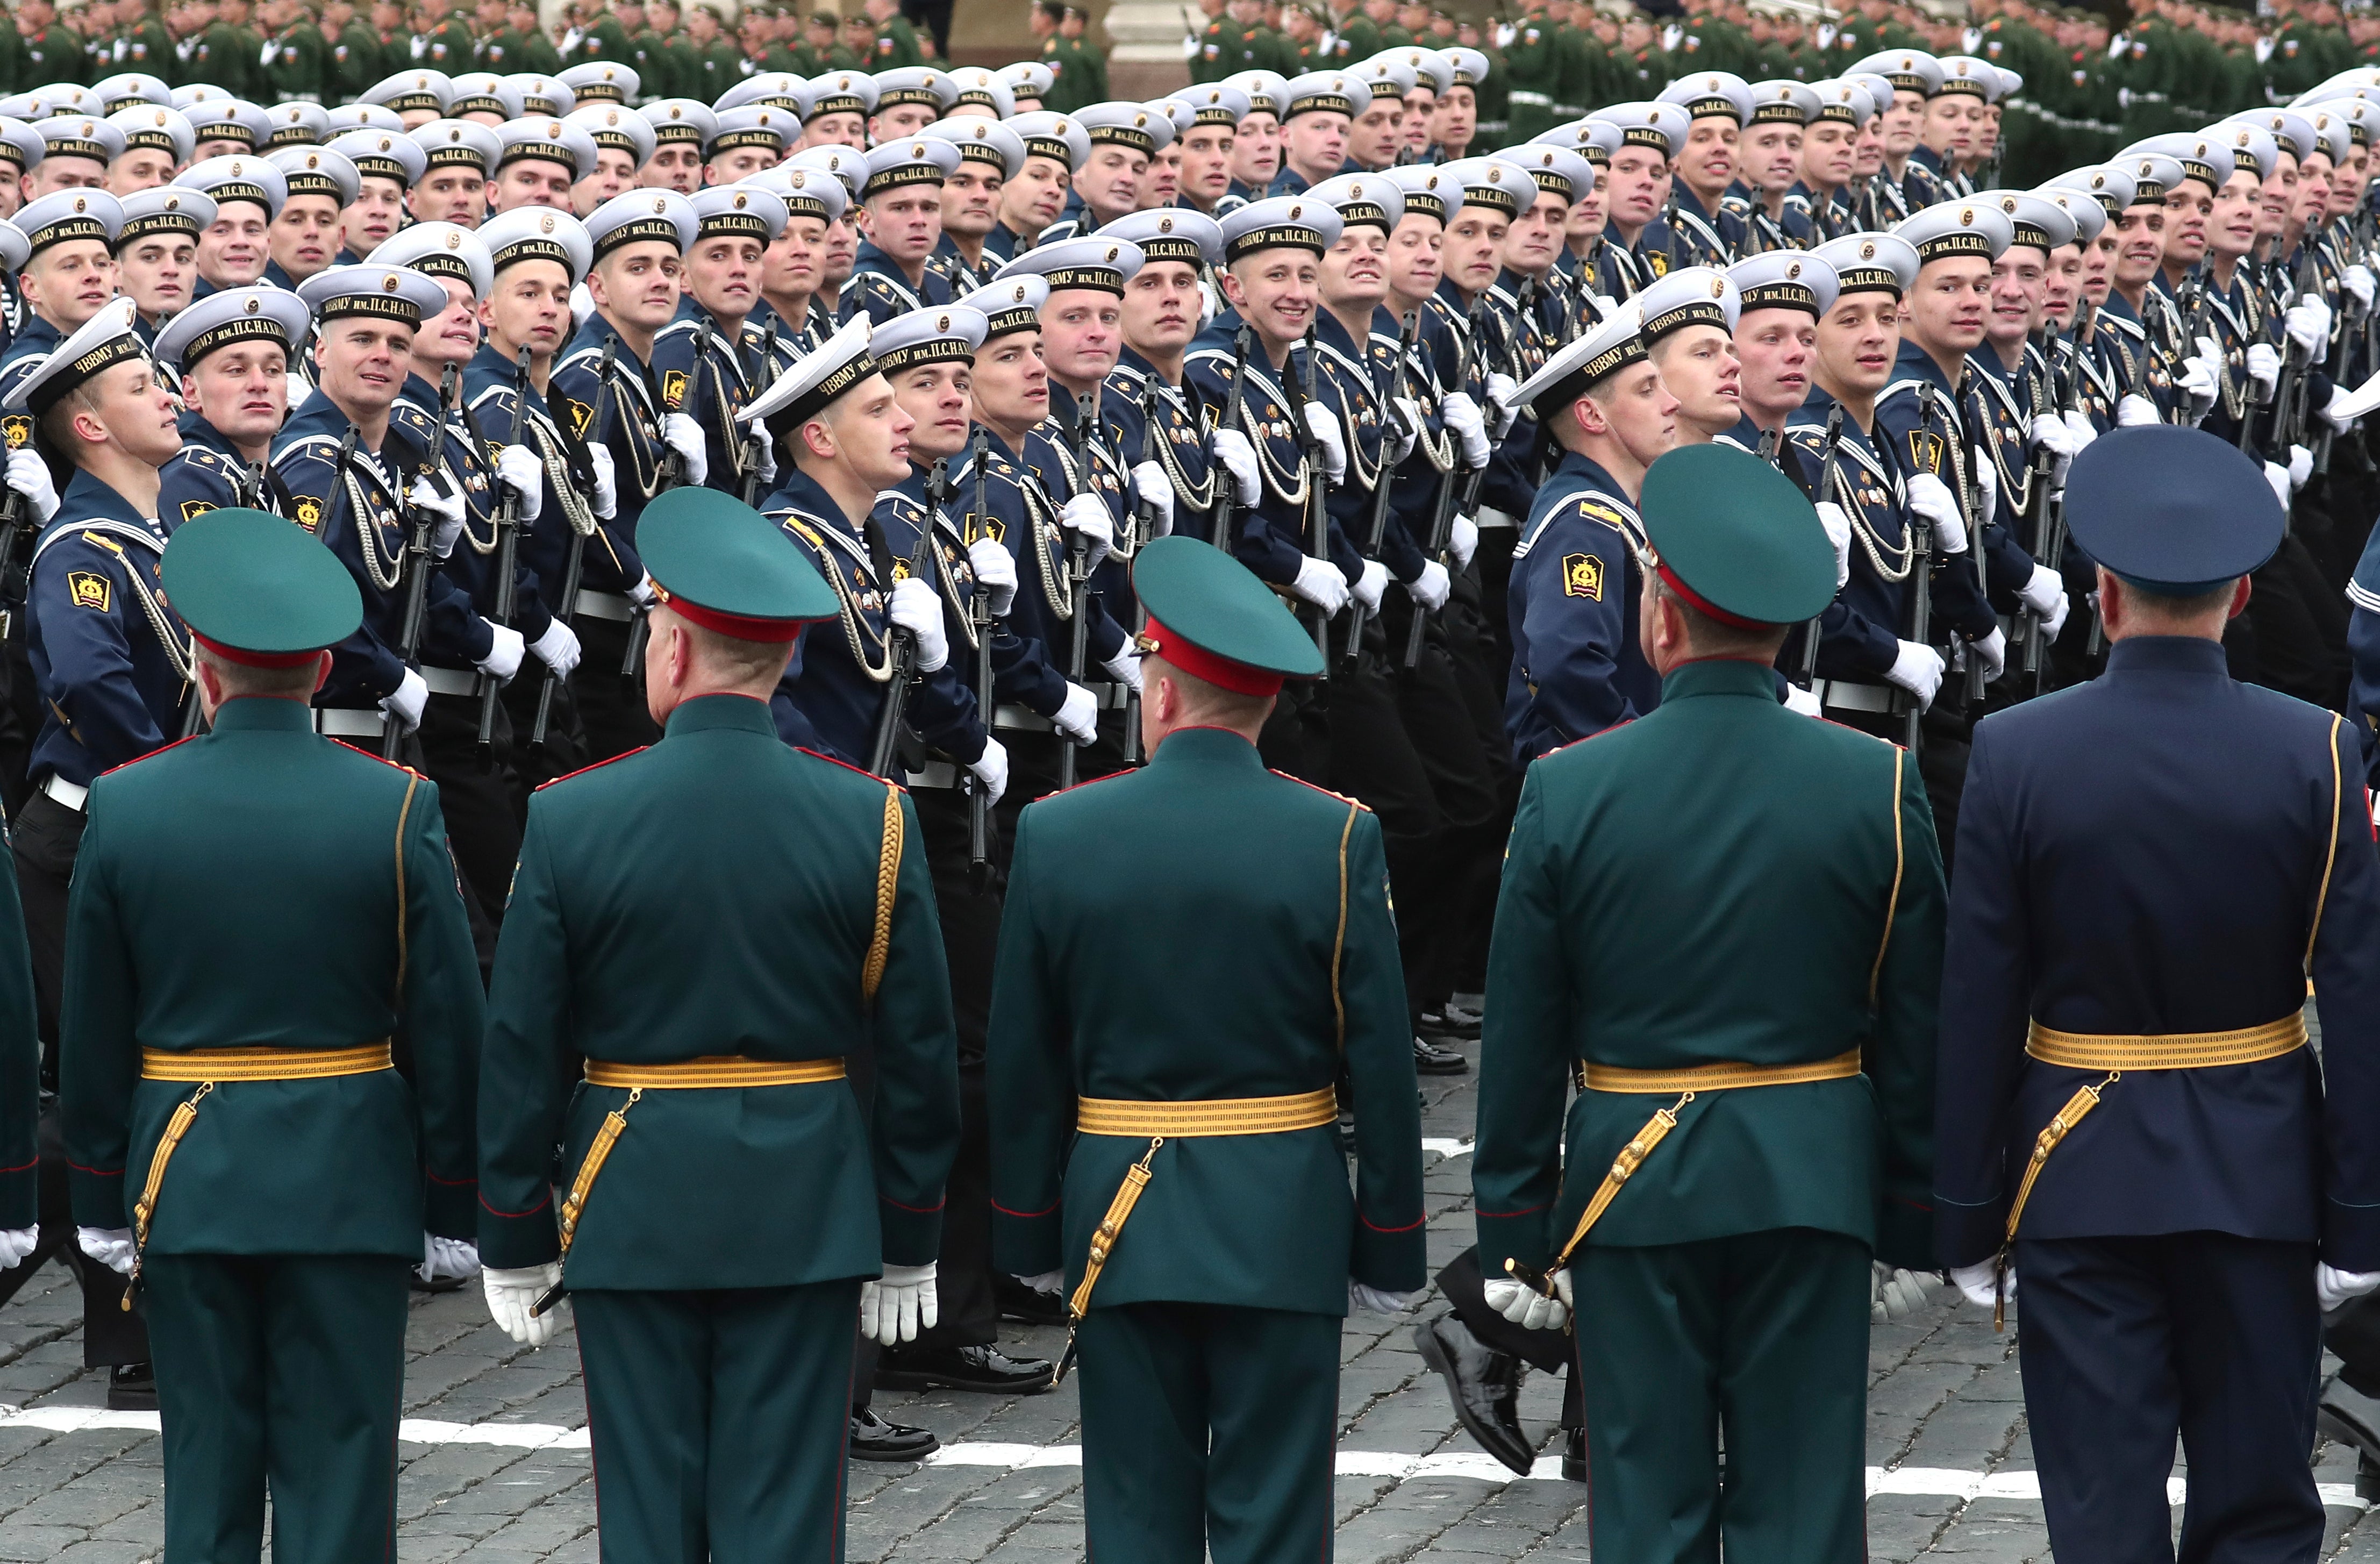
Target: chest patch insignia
(582, 417)
(87, 589)
(310, 512)
(18, 428)
(193, 509)
(1583, 576)
(673, 388)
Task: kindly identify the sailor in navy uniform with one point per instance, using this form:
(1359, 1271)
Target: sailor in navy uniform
(239, 255)
(708, 358)
(2139, 346)
(883, 285)
(1132, 132)
(1965, 78)
(1477, 402)
(1705, 234)
(2132, 1142)
(66, 268)
(221, 468)
(1893, 194)
(815, 201)
(111, 661)
(159, 238)
(988, 151)
(1773, 104)
(1160, 316)
(1061, 144)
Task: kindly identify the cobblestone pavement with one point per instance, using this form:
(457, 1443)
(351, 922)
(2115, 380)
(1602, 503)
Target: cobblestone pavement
(496, 1471)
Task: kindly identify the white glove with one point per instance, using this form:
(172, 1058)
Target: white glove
(558, 647)
(764, 462)
(1992, 651)
(1158, 491)
(683, 435)
(1917, 668)
(1931, 501)
(1463, 416)
(1370, 583)
(1046, 1281)
(1893, 1293)
(294, 391)
(511, 1294)
(1236, 456)
(2300, 467)
(1527, 1307)
(1087, 514)
(1398, 436)
(1371, 1298)
(447, 1259)
(996, 568)
(504, 651)
(2308, 324)
(1323, 426)
(2051, 432)
(991, 767)
(1503, 393)
(112, 1247)
(1463, 540)
(2338, 395)
(2278, 477)
(1078, 715)
(2334, 1287)
(448, 508)
(1319, 583)
(2264, 369)
(2133, 411)
(607, 487)
(1431, 587)
(893, 1310)
(518, 470)
(1976, 1282)
(406, 704)
(915, 606)
(642, 593)
(1124, 666)
(16, 1244)
(29, 476)
(1987, 486)
(2199, 380)
(2358, 280)
(1803, 702)
(2045, 594)
(1838, 522)
(2078, 424)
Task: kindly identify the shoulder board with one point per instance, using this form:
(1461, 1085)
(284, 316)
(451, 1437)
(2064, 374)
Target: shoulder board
(416, 418)
(880, 782)
(382, 759)
(151, 755)
(1352, 803)
(111, 546)
(309, 446)
(1603, 512)
(584, 770)
(208, 460)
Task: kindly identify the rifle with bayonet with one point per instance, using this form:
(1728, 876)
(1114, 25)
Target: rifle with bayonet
(883, 751)
(1458, 492)
(1383, 477)
(980, 616)
(1301, 389)
(1971, 507)
(1078, 567)
(756, 438)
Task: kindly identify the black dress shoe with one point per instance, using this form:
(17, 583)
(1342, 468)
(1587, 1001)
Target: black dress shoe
(872, 1439)
(985, 1368)
(1575, 1455)
(2351, 1418)
(443, 1284)
(1018, 1302)
(1448, 1025)
(1431, 1060)
(1484, 1384)
(132, 1387)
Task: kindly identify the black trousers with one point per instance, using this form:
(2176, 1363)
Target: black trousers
(111, 1335)
(1550, 1351)
(612, 717)
(479, 796)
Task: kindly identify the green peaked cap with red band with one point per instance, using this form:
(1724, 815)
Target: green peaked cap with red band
(1209, 616)
(257, 589)
(726, 567)
(1736, 538)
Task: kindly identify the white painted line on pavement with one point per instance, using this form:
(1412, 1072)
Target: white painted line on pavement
(1446, 1148)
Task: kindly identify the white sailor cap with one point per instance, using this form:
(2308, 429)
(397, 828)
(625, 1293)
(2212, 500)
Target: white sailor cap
(383, 155)
(1966, 74)
(1909, 70)
(1783, 102)
(441, 249)
(1692, 295)
(2291, 130)
(1277, 223)
(847, 165)
(981, 140)
(1841, 99)
(1491, 183)
(2152, 173)
(82, 213)
(807, 191)
(813, 381)
(739, 211)
(547, 140)
(1213, 103)
(162, 209)
(917, 159)
(484, 91)
(1174, 112)
(2035, 221)
(1661, 126)
(125, 89)
(229, 119)
(617, 127)
(14, 249)
(1783, 279)
(2081, 208)
(2254, 149)
(197, 93)
(259, 312)
(939, 333)
(1028, 78)
(2357, 112)
(1329, 92)
(376, 290)
(1094, 262)
(2198, 157)
(411, 91)
(541, 94)
(1056, 136)
(27, 106)
(2337, 139)
(1267, 91)
(681, 120)
(155, 129)
(456, 143)
(1127, 125)
(21, 144)
(642, 217)
(296, 124)
(1358, 199)
(778, 89)
(66, 97)
(317, 171)
(1008, 305)
(537, 232)
(754, 125)
(75, 135)
(982, 91)
(1949, 229)
(361, 117)
(1574, 370)
(839, 92)
(1880, 90)
(1387, 75)
(1568, 177)
(1433, 68)
(1427, 190)
(1711, 94)
(1593, 139)
(602, 81)
(2011, 81)
(96, 347)
(923, 86)
(2111, 185)
(244, 177)
(1173, 233)
(1871, 263)
(1470, 66)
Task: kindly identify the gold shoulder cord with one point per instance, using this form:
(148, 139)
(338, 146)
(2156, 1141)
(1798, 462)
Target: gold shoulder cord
(888, 881)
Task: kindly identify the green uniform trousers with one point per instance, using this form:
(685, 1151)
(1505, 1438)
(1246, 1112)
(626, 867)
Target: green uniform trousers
(1207, 1431)
(280, 1369)
(1762, 1336)
(719, 1420)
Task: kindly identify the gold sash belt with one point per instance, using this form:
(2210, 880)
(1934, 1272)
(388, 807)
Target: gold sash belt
(2082, 1050)
(1167, 1120)
(208, 1066)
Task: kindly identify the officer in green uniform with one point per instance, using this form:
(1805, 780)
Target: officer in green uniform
(293, 60)
(1714, 919)
(230, 1094)
(147, 48)
(1533, 67)
(351, 54)
(52, 53)
(715, 1312)
(535, 52)
(1173, 1090)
